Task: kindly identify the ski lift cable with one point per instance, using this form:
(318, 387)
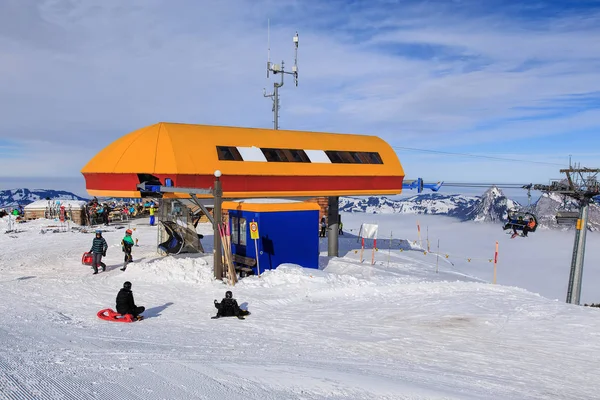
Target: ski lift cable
(479, 156)
(498, 185)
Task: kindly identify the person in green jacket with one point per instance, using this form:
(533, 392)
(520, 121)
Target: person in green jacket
(126, 246)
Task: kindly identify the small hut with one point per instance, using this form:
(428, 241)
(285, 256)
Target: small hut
(287, 233)
(74, 210)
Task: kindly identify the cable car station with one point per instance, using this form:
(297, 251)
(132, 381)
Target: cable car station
(202, 164)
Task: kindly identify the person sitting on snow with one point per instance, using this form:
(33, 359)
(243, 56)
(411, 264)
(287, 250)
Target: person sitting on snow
(126, 245)
(228, 307)
(98, 250)
(126, 304)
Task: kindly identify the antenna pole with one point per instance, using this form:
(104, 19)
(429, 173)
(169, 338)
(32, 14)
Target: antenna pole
(276, 87)
(279, 69)
(268, 46)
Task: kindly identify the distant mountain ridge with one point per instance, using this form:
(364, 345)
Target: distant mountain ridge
(14, 197)
(492, 206)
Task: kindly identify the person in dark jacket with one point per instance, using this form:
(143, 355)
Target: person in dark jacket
(126, 304)
(228, 307)
(105, 212)
(98, 250)
(323, 227)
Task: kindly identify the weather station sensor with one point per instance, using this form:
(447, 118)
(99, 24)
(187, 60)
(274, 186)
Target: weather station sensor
(279, 69)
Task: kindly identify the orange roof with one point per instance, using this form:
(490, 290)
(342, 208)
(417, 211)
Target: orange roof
(184, 150)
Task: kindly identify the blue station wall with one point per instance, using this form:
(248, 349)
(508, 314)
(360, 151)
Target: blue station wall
(285, 237)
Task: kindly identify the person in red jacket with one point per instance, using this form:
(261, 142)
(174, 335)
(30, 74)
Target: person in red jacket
(529, 227)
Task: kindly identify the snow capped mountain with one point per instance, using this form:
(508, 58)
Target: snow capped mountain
(14, 197)
(430, 203)
(492, 206)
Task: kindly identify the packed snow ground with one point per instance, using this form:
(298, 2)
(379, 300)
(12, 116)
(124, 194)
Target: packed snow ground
(396, 330)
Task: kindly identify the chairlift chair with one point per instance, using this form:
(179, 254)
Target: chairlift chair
(517, 220)
(565, 214)
(566, 217)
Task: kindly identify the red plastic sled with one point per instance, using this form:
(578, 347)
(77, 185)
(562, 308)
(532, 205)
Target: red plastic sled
(87, 258)
(110, 315)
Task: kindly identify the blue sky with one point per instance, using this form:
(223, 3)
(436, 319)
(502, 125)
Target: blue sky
(496, 78)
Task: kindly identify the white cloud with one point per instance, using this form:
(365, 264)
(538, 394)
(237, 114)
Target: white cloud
(46, 159)
(88, 72)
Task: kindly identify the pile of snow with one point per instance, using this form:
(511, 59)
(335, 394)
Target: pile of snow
(189, 269)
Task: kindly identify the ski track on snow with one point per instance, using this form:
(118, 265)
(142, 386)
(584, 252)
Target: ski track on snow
(395, 330)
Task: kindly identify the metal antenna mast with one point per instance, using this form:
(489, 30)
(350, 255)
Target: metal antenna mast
(279, 69)
(582, 185)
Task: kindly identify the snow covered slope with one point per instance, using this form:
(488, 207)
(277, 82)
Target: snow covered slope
(395, 330)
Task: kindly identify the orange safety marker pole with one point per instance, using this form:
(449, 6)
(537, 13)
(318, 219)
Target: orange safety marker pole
(437, 258)
(373, 256)
(362, 249)
(390, 247)
(495, 262)
(419, 232)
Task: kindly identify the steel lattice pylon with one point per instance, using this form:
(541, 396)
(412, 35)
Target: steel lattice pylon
(582, 185)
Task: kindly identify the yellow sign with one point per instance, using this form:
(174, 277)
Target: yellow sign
(253, 230)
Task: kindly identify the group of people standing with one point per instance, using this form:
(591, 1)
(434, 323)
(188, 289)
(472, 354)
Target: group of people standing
(100, 213)
(99, 247)
(16, 212)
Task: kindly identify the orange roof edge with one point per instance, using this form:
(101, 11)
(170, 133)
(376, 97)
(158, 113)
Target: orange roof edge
(269, 206)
